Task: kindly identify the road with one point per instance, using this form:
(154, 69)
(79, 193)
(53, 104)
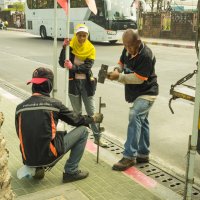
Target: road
(21, 53)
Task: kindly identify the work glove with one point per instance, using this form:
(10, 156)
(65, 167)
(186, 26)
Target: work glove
(66, 42)
(98, 117)
(68, 64)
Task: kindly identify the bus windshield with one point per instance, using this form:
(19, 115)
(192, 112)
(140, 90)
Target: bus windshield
(121, 9)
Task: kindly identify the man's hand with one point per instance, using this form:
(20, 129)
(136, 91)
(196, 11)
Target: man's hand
(68, 64)
(98, 117)
(66, 42)
(113, 75)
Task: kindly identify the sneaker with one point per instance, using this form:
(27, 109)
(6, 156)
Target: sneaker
(124, 164)
(101, 143)
(74, 177)
(142, 159)
(39, 173)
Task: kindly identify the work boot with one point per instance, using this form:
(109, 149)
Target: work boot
(124, 164)
(39, 173)
(101, 143)
(74, 177)
(142, 159)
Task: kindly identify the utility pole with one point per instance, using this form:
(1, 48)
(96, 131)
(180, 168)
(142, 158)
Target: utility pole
(192, 145)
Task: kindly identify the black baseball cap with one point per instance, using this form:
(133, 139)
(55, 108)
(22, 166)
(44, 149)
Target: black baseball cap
(40, 75)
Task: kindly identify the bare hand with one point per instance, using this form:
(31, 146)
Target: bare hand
(68, 64)
(113, 75)
(66, 42)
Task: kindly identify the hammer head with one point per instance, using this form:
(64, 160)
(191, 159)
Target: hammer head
(102, 73)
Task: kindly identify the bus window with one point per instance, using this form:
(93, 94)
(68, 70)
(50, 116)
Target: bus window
(42, 4)
(51, 4)
(32, 4)
(78, 4)
(100, 17)
(121, 10)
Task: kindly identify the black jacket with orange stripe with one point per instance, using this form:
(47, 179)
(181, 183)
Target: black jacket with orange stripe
(36, 119)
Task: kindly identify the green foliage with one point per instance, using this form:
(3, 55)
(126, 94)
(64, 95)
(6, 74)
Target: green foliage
(17, 6)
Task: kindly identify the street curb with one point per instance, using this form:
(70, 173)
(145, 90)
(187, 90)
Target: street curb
(16, 29)
(145, 41)
(170, 45)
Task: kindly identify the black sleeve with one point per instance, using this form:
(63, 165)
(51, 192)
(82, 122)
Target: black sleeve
(73, 119)
(85, 67)
(62, 57)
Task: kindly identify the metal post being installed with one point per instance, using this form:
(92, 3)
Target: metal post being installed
(99, 132)
(101, 129)
(55, 50)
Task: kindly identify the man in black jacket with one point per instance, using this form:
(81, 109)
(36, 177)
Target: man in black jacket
(36, 120)
(137, 63)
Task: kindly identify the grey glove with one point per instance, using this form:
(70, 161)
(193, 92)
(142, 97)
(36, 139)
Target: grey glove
(98, 117)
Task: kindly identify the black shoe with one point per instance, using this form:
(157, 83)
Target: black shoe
(74, 177)
(39, 173)
(142, 159)
(124, 164)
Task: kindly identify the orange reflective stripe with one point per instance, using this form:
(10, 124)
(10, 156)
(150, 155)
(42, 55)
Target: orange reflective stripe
(53, 150)
(20, 137)
(53, 131)
(53, 127)
(141, 77)
(70, 79)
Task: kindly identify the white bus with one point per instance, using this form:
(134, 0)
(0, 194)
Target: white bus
(113, 17)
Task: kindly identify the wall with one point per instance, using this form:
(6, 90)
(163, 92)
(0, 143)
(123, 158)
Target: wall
(169, 25)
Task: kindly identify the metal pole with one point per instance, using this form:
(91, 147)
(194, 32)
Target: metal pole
(67, 56)
(55, 50)
(193, 144)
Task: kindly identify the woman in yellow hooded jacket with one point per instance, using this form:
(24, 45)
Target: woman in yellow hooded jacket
(82, 84)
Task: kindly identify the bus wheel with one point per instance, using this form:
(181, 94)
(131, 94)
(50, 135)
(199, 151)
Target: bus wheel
(43, 32)
(113, 41)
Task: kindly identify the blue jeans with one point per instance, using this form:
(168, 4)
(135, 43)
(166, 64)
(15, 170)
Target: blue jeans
(137, 143)
(89, 103)
(75, 141)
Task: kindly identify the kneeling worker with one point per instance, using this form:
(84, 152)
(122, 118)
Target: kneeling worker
(36, 120)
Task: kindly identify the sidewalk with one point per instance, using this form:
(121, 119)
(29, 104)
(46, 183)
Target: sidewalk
(102, 183)
(152, 41)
